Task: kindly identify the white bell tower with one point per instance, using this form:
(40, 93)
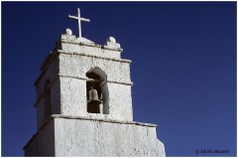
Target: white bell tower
(84, 104)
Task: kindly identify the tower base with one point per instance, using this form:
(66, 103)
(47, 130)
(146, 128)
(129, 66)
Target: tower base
(78, 136)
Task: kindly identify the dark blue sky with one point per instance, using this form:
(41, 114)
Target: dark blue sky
(183, 66)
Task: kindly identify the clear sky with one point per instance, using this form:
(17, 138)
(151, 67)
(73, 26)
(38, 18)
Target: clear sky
(183, 66)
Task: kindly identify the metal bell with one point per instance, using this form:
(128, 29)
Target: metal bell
(93, 102)
(93, 96)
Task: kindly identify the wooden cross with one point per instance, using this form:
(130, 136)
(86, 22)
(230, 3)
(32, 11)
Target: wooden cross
(79, 21)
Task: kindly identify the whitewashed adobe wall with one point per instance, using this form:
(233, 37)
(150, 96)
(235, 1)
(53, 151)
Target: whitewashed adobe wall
(66, 68)
(71, 136)
(87, 137)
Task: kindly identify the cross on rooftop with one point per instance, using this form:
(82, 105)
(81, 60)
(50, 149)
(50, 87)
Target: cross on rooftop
(79, 21)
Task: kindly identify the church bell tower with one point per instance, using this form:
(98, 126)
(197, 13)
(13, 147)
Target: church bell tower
(84, 104)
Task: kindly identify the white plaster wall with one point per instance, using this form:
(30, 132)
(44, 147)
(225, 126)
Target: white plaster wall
(73, 69)
(77, 137)
(74, 101)
(43, 143)
(68, 94)
(55, 103)
(120, 102)
(73, 86)
(90, 50)
(77, 66)
(50, 73)
(73, 96)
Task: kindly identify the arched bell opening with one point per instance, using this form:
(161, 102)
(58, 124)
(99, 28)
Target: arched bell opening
(97, 92)
(47, 99)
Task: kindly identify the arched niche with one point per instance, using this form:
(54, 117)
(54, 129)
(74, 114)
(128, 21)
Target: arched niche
(47, 99)
(97, 80)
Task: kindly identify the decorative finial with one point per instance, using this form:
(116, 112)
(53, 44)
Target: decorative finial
(112, 44)
(79, 21)
(111, 39)
(68, 31)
